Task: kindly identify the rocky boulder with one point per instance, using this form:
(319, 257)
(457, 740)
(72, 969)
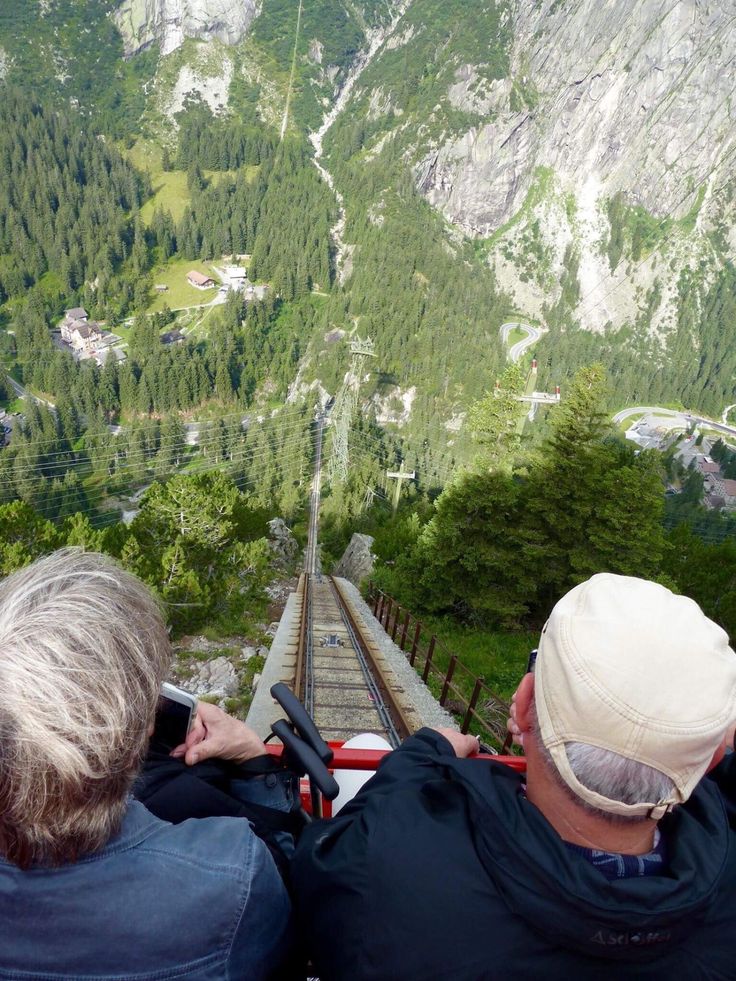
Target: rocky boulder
(283, 544)
(358, 560)
(216, 677)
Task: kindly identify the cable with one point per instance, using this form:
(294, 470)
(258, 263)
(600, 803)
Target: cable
(243, 457)
(203, 426)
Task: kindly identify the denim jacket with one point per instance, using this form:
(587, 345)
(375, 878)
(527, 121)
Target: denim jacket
(198, 900)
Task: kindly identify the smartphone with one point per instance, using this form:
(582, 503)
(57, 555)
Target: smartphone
(174, 717)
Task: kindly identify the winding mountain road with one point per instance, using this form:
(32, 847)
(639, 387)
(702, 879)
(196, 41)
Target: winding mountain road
(532, 336)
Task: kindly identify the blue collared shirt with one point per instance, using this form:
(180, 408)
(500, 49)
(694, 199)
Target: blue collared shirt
(201, 899)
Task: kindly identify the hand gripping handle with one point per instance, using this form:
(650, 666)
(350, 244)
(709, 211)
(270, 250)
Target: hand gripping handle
(302, 721)
(302, 758)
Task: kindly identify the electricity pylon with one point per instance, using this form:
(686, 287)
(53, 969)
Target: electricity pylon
(346, 402)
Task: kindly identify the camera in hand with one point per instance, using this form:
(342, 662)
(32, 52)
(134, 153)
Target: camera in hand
(174, 716)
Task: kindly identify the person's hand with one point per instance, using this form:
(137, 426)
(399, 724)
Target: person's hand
(513, 726)
(217, 734)
(464, 745)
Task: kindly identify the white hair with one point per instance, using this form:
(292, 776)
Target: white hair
(83, 651)
(610, 775)
(616, 777)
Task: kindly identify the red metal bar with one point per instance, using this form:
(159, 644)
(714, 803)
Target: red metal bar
(471, 706)
(413, 655)
(428, 662)
(368, 759)
(402, 644)
(448, 678)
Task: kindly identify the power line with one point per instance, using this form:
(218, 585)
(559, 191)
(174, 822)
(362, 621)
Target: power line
(143, 471)
(203, 427)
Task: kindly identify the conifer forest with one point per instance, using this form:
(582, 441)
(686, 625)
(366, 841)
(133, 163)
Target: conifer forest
(182, 275)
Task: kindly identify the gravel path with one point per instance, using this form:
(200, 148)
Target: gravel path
(429, 709)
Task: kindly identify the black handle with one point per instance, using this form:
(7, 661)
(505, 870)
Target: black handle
(302, 759)
(301, 721)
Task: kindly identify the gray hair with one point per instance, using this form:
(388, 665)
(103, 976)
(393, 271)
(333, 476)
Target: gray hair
(610, 775)
(83, 651)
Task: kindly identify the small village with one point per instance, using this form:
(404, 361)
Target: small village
(692, 450)
(89, 339)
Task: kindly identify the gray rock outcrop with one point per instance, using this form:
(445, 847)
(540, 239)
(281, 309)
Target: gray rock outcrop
(357, 561)
(283, 544)
(169, 22)
(216, 677)
(632, 97)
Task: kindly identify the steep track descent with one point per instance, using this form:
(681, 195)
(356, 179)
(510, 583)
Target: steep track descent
(340, 674)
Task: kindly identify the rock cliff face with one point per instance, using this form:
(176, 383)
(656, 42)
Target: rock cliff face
(622, 96)
(634, 95)
(169, 22)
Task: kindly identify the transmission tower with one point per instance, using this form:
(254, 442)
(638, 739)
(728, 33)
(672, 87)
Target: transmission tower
(343, 411)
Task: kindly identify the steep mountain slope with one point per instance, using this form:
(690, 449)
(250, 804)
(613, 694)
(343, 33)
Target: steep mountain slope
(262, 41)
(70, 52)
(576, 154)
(587, 149)
(643, 108)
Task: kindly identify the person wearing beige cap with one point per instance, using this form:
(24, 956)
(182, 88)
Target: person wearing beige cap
(611, 858)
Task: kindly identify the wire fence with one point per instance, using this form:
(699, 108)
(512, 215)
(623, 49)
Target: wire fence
(458, 689)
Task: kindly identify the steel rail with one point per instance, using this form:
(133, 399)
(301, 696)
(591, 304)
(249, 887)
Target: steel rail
(390, 710)
(302, 589)
(376, 694)
(308, 650)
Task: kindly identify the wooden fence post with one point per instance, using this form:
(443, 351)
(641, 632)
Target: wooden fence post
(448, 678)
(428, 662)
(471, 707)
(396, 624)
(387, 611)
(402, 643)
(413, 655)
(376, 601)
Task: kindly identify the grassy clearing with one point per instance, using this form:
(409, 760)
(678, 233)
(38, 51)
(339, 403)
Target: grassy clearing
(180, 294)
(515, 336)
(170, 191)
(13, 405)
(498, 657)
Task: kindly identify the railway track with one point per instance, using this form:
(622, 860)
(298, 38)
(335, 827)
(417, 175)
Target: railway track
(340, 674)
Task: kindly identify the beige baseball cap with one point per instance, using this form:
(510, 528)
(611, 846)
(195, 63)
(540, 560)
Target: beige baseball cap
(628, 666)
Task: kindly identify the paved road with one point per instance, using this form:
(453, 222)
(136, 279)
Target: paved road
(533, 335)
(683, 418)
(23, 393)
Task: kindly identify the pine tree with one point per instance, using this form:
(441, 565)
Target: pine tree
(494, 420)
(596, 506)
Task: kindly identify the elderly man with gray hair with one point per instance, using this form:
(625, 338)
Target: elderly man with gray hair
(92, 885)
(612, 857)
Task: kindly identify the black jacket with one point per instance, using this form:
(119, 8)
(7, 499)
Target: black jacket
(441, 869)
